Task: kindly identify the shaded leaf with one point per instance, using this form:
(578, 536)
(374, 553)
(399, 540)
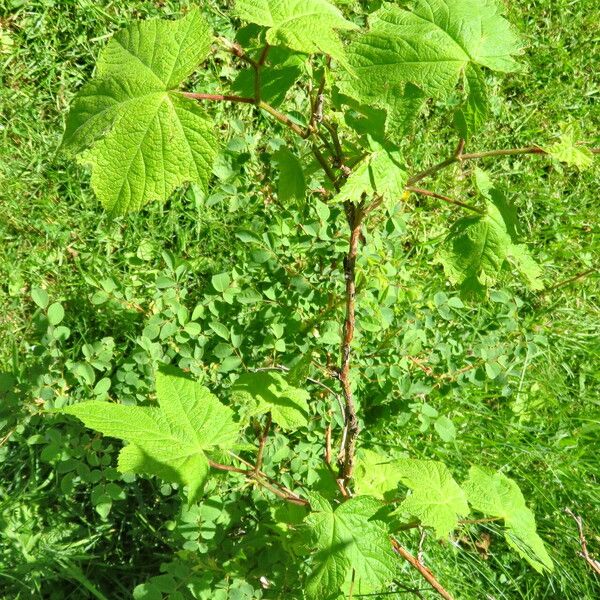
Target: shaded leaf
(267, 391)
(275, 81)
(470, 118)
(291, 186)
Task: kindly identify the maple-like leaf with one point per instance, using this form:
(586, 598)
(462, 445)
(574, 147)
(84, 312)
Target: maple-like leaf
(478, 247)
(436, 499)
(304, 25)
(569, 151)
(375, 475)
(143, 138)
(431, 46)
(348, 538)
(496, 495)
(171, 440)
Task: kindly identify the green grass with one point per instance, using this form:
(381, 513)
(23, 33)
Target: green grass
(56, 543)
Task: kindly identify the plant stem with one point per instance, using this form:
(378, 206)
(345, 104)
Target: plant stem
(325, 166)
(423, 570)
(263, 55)
(417, 190)
(568, 281)
(316, 113)
(351, 426)
(476, 156)
(261, 479)
(284, 119)
(261, 444)
(281, 117)
(592, 562)
(257, 66)
(237, 51)
(218, 97)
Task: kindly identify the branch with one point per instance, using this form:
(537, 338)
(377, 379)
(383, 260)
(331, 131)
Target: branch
(351, 427)
(261, 479)
(237, 51)
(261, 444)
(284, 119)
(458, 157)
(425, 572)
(593, 563)
(325, 166)
(416, 190)
(263, 55)
(568, 281)
(218, 97)
(316, 113)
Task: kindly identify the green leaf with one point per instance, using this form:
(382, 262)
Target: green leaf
(429, 46)
(275, 80)
(304, 25)
(40, 297)
(520, 257)
(477, 248)
(470, 118)
(375, 475)
(379, 174)
(56, 313)
(445, 428)
(291, 187)
(266, 391)
(300, 370)
(166, 51)
(392, 120)
(170, 440)
(436, 499)
(403, 104)
(496, 495)
(347, 538)
(144, 139)
(567, 150)
(221, 282)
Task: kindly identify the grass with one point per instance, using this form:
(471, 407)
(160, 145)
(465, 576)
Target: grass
(55, 543)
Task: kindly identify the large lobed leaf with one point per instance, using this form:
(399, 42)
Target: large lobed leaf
(169, 441)
(496, 495)
(429, 46)
(348, 538)
(478, 247)
(436, 499)
(568, 149)
(375, 475)
(143, 138)
(304, 25)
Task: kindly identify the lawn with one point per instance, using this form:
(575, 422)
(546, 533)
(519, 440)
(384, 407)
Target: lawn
(141, 289)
